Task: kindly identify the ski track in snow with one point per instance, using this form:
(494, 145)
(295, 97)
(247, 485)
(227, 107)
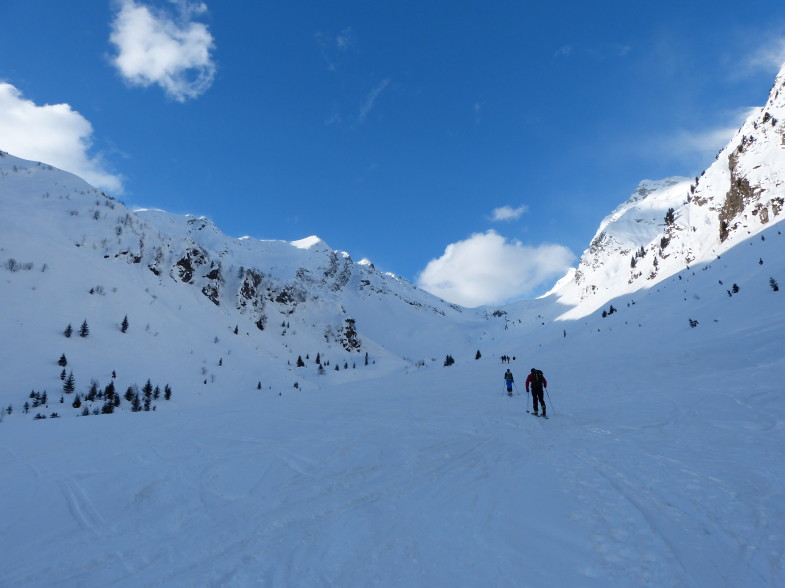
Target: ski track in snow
(661, 465)
(242, 504)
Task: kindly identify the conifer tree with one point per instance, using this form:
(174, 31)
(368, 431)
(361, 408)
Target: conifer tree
(124, 324)
(84, 330)
(77, 402)
(62, 362)
(167, 392)
(69, 385)
(68, 331)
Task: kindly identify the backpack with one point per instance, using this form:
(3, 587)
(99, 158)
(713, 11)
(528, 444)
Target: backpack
(537, 380)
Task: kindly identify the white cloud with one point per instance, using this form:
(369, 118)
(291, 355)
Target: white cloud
(486, 268)
(331, 47)
(54, 134)
(769, 57)
(172, 51)
(371, 99)
(346, 39)
(701, 145)
(508, 213)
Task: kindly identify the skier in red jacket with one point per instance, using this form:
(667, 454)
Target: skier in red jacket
(537, 382)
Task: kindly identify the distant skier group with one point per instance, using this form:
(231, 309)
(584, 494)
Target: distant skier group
(536, 382)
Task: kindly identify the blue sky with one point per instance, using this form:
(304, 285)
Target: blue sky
(471, 147)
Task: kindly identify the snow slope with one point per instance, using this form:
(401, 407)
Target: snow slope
(738, 195)
(661, 463)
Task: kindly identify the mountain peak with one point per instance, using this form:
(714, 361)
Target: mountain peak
(667, 225)
(310, 242)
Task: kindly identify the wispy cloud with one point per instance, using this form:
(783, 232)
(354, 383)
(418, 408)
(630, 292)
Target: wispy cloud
(699, 146)
(602, 52)
(508, 213)
(171, 50)
(346, 39)
(333, 45)
(768, 57)
(54, 134)
(370, 100)
(486, 268)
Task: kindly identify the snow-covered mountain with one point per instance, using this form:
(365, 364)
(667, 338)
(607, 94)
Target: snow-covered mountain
(667, 226)
(73, 254)
(370, 462)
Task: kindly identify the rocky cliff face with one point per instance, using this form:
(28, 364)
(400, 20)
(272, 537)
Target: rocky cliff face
(668, 225)
(302, 285)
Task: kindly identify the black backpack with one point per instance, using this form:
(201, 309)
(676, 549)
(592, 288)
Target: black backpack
(537, 380)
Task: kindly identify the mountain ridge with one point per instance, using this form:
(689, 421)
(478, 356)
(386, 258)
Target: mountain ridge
(297, 299)
(737, 196)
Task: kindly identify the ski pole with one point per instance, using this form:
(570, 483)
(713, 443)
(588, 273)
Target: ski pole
(550, 401)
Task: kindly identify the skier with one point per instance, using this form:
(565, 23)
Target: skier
(508, 379)
(537, 381)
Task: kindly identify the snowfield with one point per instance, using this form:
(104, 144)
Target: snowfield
(661, 465)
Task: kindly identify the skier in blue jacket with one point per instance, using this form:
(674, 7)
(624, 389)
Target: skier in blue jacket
(508, 379)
